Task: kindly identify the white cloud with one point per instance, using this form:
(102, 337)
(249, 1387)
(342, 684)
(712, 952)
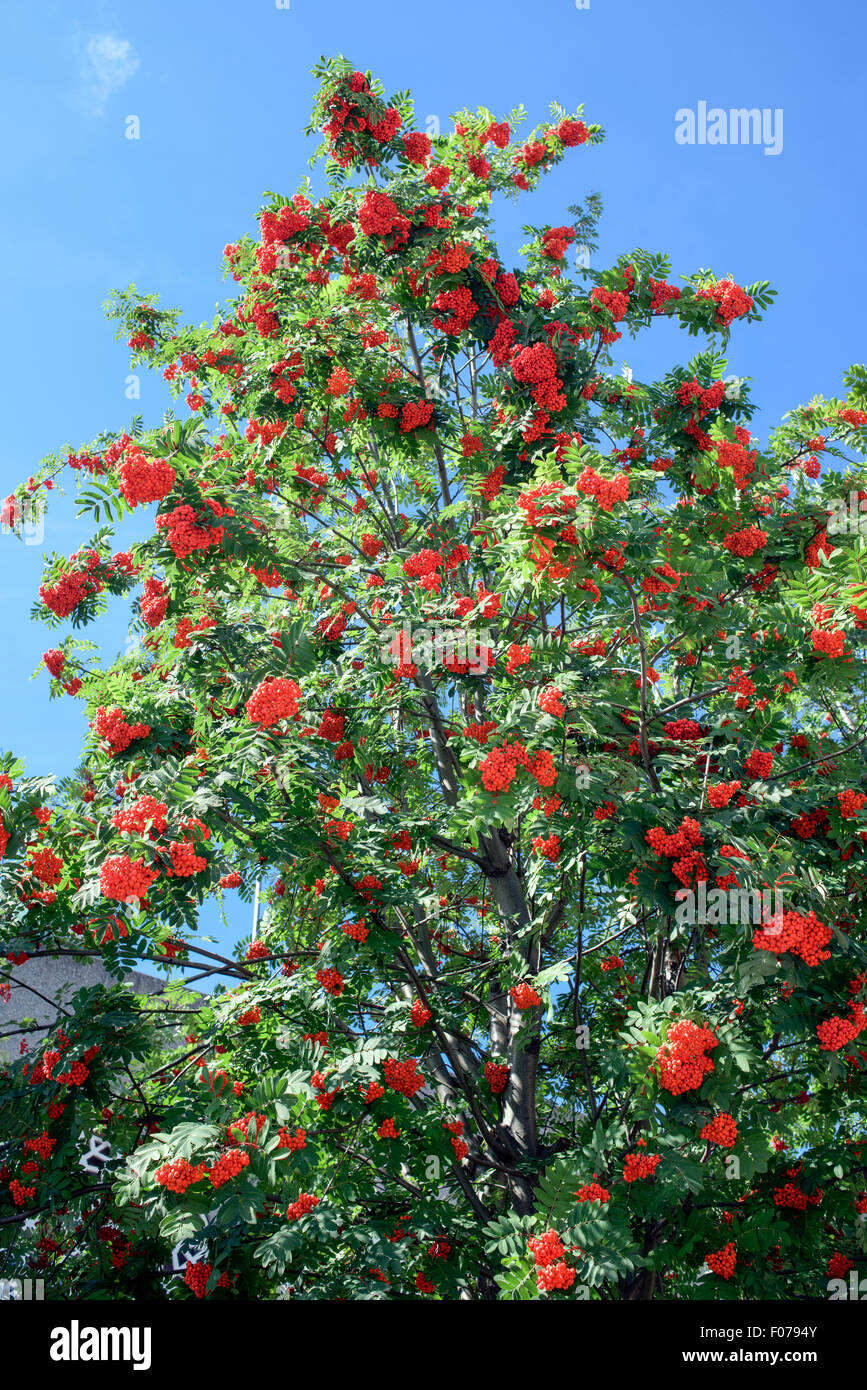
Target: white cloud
(108, 63)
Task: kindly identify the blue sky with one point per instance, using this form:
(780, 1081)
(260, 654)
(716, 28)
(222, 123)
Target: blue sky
(222, 93)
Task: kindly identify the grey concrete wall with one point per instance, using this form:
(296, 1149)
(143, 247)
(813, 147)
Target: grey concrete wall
(57, 979)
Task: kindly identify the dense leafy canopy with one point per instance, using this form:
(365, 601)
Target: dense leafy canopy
(513, 683)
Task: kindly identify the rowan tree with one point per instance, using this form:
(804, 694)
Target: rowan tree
(506, 679)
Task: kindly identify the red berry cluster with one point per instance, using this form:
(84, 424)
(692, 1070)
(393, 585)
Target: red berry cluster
(722, 1129)
(460, 307)
(546, 1248)
(123, 878)
(111, 724)
(42, 1144)
(143, 813)
(185, 532)
(76, 1076)
(185, 861)
(551, 701)
(358, 931)
(238, 1132)
(746, 541)
(683, 847)
(732, 302)
(685, 838)
(549, 848)
(46, 866)
(371, 545)
(332, 726)
(144, 479)
(403, 1077)
(21, 1195)
(636, 1166)
(683, 730)
(719, 794)
(501, 765)
(68, 592)
(497, 1076)
(552, 1272)
(326, 1098)
(791, 1196)
(379, 215)
(759, 763)
(800, 936)
(331, 981)
(228, 1166)
(682, 1060)
(273, 700)
(304, 1203)
(851, 803)
(154, 602)
(593, 1192)
(460, 1145)
(491, 486)
(536, 366)
(295, 1141)
(606, 492)
(615, 301)
(196, 1276)
(810, 824)
(839, 1032)
(571, 133)
(722, 1262)
(524, 996)
(179, 1175)
(55, 660)
(830, 643)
